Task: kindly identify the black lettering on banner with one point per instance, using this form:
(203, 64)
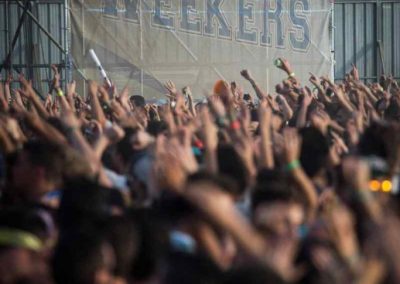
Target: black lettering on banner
(297, 14)
(190, 18)
(213, 12)
(160, 17)
(246, 16)
(132, 10)
(272, 17)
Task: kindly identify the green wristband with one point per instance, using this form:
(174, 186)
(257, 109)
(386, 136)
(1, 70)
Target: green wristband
(292, 165)
(60, 93)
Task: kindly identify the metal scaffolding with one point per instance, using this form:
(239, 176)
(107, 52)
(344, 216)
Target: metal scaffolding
(34, 35)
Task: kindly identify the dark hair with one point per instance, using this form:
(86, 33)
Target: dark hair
(230, 165)
(123, 236)
(191, 268)
(151, 244)
(224, 182)
(25, 219)
(254, 114)
(268, 193)
(372, 142)
(46, 155)
(139, 101)
(314, 151)
(85, 204)
(254, 274)
(393, 110)
(77, 257)
(156, 127)
(124, 147)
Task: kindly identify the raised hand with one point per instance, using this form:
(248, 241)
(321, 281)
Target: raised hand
(341, 228)
(246, 74)
(209, 130)
(27, 85)
(170, 86)
(57, 77)
(93, 87)
(307, 97)
(292, 145)
(321, 120)
(187, 91)
(285, 65)
(314, 80)
(71, 88)
(9, 79)
(114, 133)
(354, 72)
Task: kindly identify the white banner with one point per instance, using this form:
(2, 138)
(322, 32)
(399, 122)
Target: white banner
(196, 42)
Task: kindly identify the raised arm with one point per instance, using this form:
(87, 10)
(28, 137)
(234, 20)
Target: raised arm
(265, 117)
(30, 93)
(247, 75)
(210, 141)
(292, 147)
(96, 109)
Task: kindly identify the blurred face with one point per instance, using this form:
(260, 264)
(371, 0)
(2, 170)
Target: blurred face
(281, 219)
(22, 171)
(18, 263)
(104, 274)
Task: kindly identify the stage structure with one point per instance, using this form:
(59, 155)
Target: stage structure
(143, 43)
(33, 35)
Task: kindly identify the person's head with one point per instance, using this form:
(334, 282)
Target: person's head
(255, 274)
(221, 87)
(37, 169)
(82, 258)
(24, 242)
(85, 204)
(123, 237)
(138, 101)
(277, 209)
(314, 151)
(230, 165)
(191, 268)
(225, 183)
(37, 222)
(393, 110)
(22, 265)
(124, 150)
(156, 127)
(375, 140)
(151, 237)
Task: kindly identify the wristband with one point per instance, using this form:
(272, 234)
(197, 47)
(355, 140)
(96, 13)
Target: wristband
(221, 121)
(198, 144)
(235, 125)
(59, 93)
(292, 75)
(196, 151)
(292, 165)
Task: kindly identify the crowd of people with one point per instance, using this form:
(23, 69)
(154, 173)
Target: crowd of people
(299, 186)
